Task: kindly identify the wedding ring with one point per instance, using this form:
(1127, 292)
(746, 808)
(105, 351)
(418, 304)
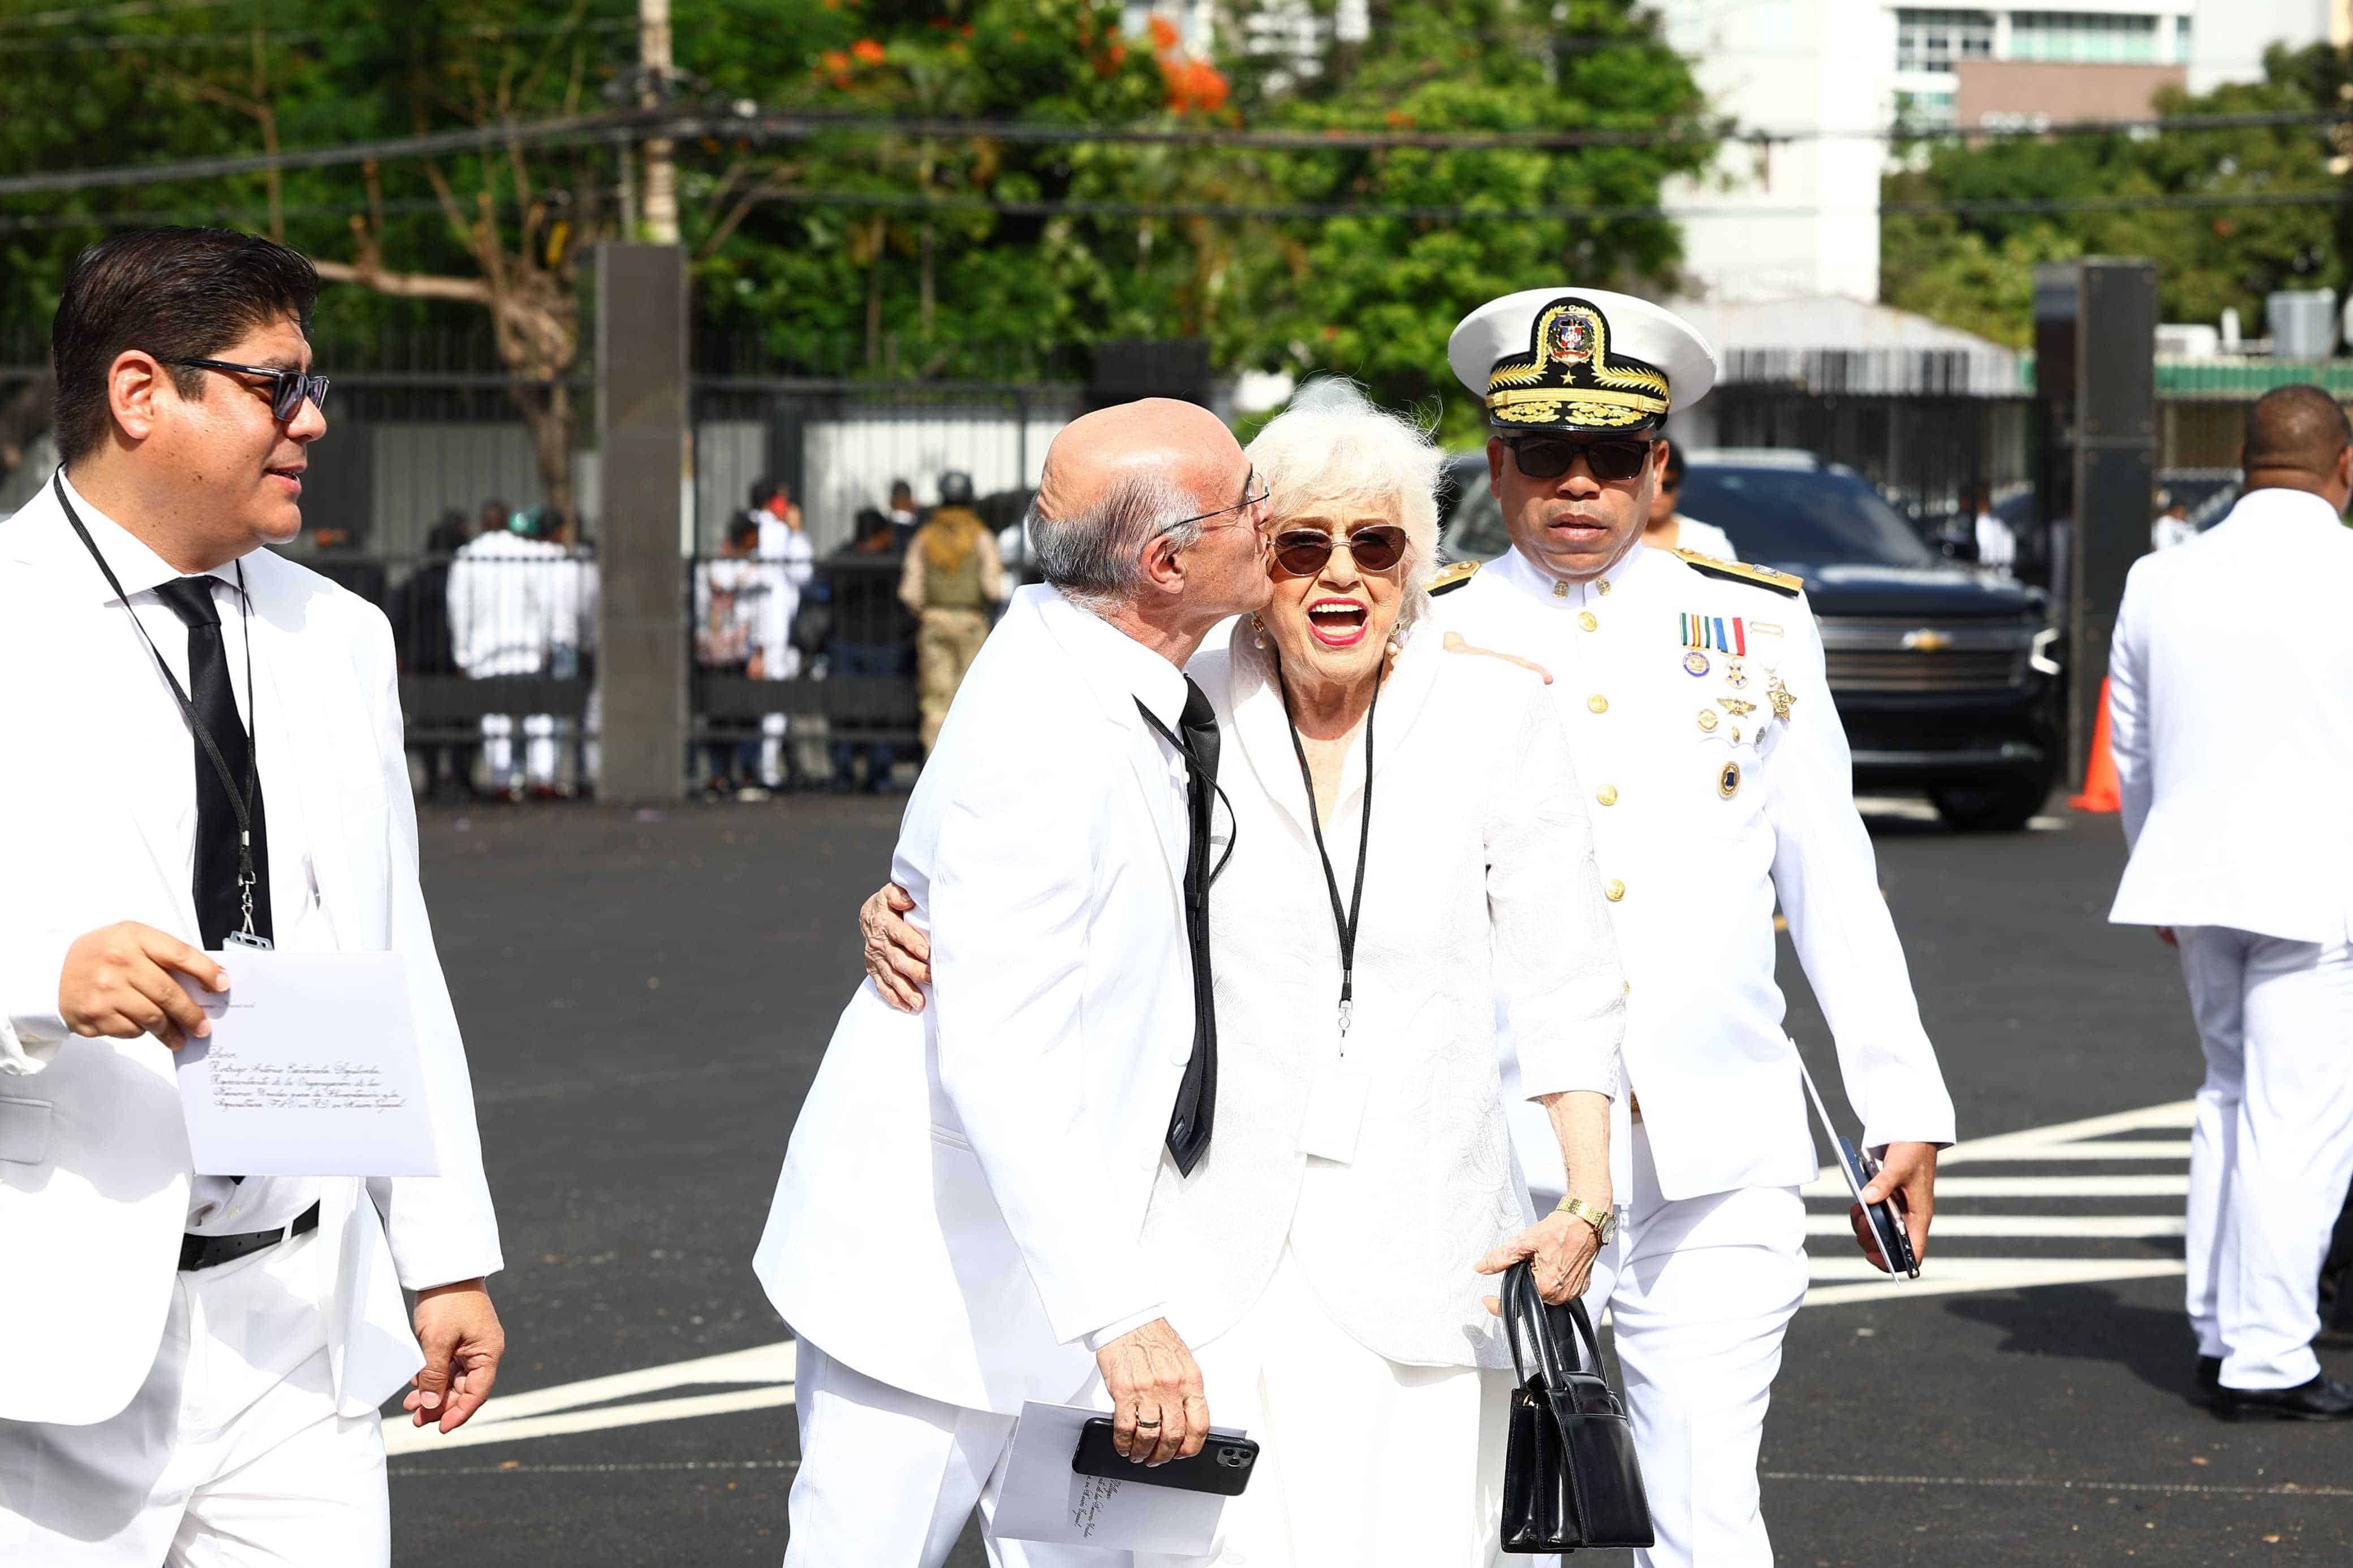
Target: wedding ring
(1145, 1425)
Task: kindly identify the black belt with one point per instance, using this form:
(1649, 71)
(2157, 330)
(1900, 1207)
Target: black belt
(206, 1251)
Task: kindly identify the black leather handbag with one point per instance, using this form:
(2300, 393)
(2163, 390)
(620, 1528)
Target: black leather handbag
(1571, 1479)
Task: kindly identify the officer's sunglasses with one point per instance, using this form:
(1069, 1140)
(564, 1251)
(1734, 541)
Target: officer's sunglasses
(1301, 553)
(288, 389)
(1612, 461)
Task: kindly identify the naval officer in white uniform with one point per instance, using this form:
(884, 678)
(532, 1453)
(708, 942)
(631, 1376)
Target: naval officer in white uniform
(2233, 745)
(1719, 779)
(195, 1362)
(959, 1223)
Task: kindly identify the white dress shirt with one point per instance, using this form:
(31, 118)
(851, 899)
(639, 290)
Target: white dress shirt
(1482, 911)
(156, 727)
(1709, 807)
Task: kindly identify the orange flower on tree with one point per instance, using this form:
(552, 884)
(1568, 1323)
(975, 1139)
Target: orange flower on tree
(868, 51)
(1163, 32)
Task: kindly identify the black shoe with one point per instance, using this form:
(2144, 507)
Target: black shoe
(2319, 1400)
(2209, 1380)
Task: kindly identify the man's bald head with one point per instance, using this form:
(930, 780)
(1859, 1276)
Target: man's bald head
(1160, 437)
(2295, 433)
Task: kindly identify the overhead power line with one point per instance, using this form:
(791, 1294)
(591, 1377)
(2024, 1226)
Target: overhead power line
(161, 42)
(754, 125)
(77, 15)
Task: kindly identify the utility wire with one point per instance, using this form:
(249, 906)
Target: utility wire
(753, 125)
(79, 15)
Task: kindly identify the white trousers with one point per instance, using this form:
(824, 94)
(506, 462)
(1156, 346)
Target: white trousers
(1700, 1292)
(223, 1458)
(888, 1479)
(2271, 1150)
(1362, 1461)
(539, 752)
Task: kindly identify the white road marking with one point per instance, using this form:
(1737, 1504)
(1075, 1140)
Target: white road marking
(562, 1410)
(2042, 1483)
(2110, 1226)
(762, 1375)
(1840, 1274)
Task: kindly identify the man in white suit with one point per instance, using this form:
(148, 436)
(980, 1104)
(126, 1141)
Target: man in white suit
(2233, 746)
(958, 1223)
(200, 1358)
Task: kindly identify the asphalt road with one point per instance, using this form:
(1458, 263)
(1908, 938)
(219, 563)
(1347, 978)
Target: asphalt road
(646, 997)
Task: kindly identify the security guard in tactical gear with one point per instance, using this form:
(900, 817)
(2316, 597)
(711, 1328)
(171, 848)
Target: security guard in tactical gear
(953, 575)
(1719, 783)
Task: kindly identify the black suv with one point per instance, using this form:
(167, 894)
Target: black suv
(1942, 673)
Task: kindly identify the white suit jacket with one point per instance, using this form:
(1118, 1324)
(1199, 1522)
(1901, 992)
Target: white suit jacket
(1708, 808)
(1482, 907)
(2229, 726)
(94, 1163)
(963, 1197)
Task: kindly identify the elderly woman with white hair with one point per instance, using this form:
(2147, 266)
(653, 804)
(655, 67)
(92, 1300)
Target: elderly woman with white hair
(1413, 870)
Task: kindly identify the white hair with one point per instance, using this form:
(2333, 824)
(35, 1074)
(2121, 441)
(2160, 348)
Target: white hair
(1331, 451)
(1097, 557)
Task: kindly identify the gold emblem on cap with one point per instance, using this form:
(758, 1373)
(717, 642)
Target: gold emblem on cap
(1568, 376)
(1707, 717)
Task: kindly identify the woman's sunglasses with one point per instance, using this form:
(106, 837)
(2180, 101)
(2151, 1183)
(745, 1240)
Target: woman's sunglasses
(286, 396)
(1301, 553)
(1612, 461)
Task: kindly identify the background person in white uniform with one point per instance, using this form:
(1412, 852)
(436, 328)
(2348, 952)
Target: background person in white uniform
(1702, 728)
(503, 590)
(2233, 746)
(789, 558)
(960, 1220)
(198, 1360)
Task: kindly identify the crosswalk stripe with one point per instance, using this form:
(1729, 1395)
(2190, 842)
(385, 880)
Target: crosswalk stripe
(2154, 1201)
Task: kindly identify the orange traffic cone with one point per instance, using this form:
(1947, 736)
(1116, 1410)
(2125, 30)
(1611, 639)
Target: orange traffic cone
(2100, 773)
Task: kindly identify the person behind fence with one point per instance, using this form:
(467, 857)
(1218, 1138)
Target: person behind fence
(730, 595)
(1995, 540)
(573, 590)
(789, 558)
(1669, 529)
(952, 579)
(2232, 747)
(870, 637)
(904, 515)
(501, 625)
(195, 1361)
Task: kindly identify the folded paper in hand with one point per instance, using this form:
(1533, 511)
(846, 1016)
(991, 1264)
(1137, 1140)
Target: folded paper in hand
(311, 1070)
(1044, 1500)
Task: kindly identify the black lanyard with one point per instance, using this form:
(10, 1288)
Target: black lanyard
(241, 802)
(1346, 924)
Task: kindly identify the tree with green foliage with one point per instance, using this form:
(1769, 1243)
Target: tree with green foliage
(1975, 268)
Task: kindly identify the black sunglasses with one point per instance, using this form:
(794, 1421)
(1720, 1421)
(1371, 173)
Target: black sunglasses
(1613, 460)
(292, 386)
(1375, 549)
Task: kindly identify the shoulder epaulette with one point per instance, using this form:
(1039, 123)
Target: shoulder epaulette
(1741, 572)
(1451, 578)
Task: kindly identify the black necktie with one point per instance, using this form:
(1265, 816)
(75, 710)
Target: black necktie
(1197, 1097)
(220, 903)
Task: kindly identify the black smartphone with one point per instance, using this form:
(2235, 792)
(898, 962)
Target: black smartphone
(1222, 1467)
(1885, 1220)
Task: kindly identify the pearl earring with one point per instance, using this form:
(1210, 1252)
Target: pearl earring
(1258, 631)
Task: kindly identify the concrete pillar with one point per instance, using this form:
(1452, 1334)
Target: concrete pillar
(641, 450)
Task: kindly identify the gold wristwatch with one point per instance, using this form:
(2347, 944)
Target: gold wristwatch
(1603, 1221)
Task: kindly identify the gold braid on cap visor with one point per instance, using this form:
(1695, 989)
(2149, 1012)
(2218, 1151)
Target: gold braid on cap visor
(1556, 405)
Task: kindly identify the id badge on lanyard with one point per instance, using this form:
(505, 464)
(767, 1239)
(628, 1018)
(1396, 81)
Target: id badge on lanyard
(1335, 1103)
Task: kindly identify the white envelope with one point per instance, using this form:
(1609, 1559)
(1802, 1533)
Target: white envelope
(1044, 1500)
(311, 1070)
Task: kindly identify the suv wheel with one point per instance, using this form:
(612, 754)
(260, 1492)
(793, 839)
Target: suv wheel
(2005, 805)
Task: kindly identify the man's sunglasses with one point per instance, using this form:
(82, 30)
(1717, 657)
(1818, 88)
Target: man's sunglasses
(1612, 461)
(1301, 553)
(290, 388)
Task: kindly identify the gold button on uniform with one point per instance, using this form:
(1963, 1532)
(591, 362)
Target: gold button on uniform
(1613, 890)
(1596, 703)
(1607, 795)
(1707, 717)
(1585, 618)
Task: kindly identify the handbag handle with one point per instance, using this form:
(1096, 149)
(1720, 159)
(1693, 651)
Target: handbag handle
(1525, 1309)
